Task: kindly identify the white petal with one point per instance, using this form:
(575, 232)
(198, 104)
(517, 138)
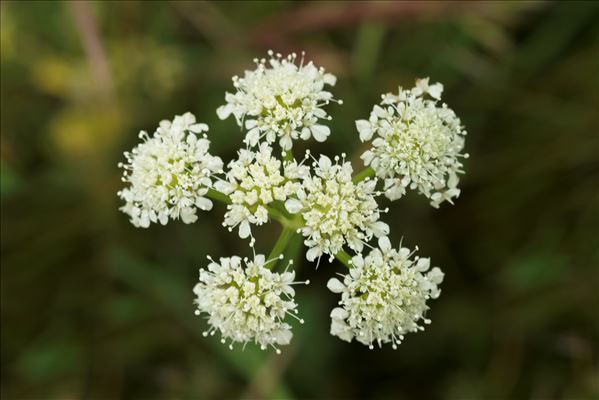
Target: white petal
(365, 129)
(339, 313)
(324, 163)
(385, 244)
(453, 181)
(252, 137)
(367, 156)
(188, 215)
(260, 259)
(293, 206)
(320, 132)
(335, 285)
(223, 112)
(204, 204)
(197, 289)
(313, 253)
(283, 336)
(198, 128)
(244, 229)
(224, 187)
(144, 219)
(305, 135)
(329, 79)
(319, 113)
(379, 111)
(341, 330)
(163, 218)
(380, 228)
(357, 261)
(435, 275)
(435, 91)
(423, 264)
(285, 142)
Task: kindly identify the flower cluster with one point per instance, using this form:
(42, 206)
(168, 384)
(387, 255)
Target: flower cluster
(418, 143)
(280, 99)
(383, 296)
(169, 173)
(252, 182)
(336, 211)
(247, 304)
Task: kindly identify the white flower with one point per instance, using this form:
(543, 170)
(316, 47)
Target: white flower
(255, 180)
(169, 173)
(280, 99)
(383, 296)
(247, 304)
(335, 210)
(417, 143)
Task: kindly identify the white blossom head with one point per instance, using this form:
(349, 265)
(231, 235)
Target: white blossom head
(383, 296)
(246, 301)
(280, 99)
(169, 173)
(335, 210)
(254, 180)
(417, 143)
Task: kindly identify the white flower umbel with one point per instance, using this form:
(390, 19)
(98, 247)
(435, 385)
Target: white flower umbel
(247, 304)
(169, 173)
(280, 99)
(255, 180)
(417, 145)
(335, 210)
(383, 296)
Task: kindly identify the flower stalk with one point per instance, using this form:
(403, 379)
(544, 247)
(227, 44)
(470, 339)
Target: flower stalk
(344, 258)
(218, 196)
(280, 245)
(367, 172)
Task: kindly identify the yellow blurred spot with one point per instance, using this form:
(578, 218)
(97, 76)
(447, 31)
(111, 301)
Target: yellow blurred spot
(87, 132)
(53, 76)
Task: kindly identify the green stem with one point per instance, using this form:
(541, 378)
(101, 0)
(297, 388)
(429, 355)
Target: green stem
(279, 216)
(344, 258)
(274, 213)
(288, 155)
(365, 173)
(218, 196)
(279, 247)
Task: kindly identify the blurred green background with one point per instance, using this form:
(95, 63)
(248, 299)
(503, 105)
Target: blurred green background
(94, 308)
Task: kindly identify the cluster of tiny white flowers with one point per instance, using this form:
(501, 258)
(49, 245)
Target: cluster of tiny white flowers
(247, 303)
(280, 99)
(383, 296)
(335, 210)
(169, 173)
(255, 180)
(418, 143)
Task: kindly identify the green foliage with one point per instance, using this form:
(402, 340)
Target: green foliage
(93, 308)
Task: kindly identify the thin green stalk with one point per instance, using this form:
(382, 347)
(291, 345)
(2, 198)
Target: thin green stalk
(279, 247)
(218, 196)
(344, 258)
(365, 173)
(274, 213)
(278, 215)
(288, 155)
(367, 48)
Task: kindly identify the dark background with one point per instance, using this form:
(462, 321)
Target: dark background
(94, 308)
